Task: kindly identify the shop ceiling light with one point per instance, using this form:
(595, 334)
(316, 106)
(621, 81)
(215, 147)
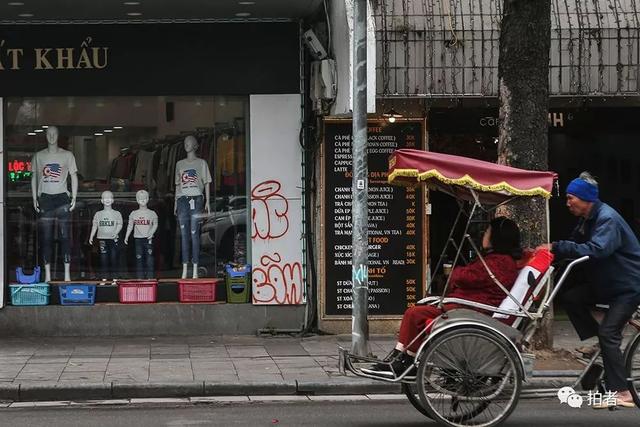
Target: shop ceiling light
(131, 3)
(39, 130)
(31, 134)
(134, 14)
(243, 14)
(15, 3)
(108, 130)
(246, 3)
(392, 115)
(98, 134)
(45, 127)
(117, 127)
(25, 15)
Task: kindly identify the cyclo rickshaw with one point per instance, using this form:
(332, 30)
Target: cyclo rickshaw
(471, 363)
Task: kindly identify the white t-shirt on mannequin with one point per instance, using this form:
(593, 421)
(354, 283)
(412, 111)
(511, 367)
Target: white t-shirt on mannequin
(191, 177)
(107, 222)
(142, 220)
(53, 169)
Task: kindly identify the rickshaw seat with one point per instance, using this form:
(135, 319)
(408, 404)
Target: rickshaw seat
(525, 284)
(461, 314)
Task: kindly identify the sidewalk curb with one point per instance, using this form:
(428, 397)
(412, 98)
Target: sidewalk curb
(337, 386)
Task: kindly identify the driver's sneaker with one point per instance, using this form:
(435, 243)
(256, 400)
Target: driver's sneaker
(619, 403)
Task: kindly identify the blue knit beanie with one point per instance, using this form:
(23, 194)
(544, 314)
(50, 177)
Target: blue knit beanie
(583, 190)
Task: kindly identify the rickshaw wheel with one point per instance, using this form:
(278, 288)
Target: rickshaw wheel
(632, 363)
(469, 377)
(411, 391)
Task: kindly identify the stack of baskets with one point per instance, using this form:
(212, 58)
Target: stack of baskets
(29, 290)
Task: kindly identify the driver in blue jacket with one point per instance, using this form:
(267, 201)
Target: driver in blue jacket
(614, 272)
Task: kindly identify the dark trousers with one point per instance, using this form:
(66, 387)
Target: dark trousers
(54, 209)
(108, 257)
(144, 258)
(578, 302)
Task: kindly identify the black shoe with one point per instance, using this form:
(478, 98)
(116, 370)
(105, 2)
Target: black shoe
(393, 368)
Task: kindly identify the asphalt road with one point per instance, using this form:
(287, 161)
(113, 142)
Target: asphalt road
(362, 413)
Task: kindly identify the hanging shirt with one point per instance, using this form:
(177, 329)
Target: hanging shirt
(142, 221)
(191, 177)
(52, 170)
(107, 221)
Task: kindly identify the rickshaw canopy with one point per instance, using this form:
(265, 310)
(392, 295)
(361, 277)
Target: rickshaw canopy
(458, 176)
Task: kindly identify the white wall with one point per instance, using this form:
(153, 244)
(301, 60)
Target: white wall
(276, 199)
(341, 16)
(2, 248)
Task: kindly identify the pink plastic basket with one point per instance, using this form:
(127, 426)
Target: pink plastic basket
(138, 291)
(197, 290)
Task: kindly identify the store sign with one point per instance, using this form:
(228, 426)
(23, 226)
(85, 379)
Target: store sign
(18, 170)
(84, 57)
(150, 59)
(396, 248)
(555, 120)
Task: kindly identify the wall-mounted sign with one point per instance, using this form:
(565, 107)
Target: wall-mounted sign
(149, 59)
(18, 170)
(396, 221)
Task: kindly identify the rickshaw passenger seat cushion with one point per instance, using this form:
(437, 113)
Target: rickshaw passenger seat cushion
(462, 314)
(525, 283)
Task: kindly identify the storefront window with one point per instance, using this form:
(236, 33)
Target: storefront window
(173, 148)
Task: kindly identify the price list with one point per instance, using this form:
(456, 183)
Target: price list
(395, 221)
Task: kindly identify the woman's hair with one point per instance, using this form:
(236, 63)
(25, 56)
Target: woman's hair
(505, 237)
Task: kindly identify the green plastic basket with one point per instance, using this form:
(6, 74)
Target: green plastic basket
(35, 294)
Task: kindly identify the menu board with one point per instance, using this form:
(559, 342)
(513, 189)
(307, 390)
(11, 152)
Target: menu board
(395, 221)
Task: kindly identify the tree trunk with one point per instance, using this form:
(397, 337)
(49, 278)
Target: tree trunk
(523, 73)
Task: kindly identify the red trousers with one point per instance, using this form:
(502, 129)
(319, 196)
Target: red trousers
(414, 321)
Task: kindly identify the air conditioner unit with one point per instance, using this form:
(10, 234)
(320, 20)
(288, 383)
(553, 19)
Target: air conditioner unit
(323, 81)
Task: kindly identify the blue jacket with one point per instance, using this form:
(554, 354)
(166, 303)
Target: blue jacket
(614, 250)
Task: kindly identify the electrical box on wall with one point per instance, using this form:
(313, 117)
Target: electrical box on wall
(323, 82)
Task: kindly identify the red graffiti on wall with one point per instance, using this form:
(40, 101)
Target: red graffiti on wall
(269, 211)
(277, 283)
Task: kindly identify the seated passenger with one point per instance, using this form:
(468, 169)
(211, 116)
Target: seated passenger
(501, 249)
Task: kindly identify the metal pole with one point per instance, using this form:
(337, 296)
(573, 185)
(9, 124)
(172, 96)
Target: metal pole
(359, 212)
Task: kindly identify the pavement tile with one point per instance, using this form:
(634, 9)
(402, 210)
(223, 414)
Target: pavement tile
(83, 376)
(48, 360)
(246, 351)
(86, 366)
(12, 360)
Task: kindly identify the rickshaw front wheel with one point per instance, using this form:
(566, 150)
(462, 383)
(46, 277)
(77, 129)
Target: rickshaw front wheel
(469, 376)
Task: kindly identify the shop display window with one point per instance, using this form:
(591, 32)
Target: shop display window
(129, 157)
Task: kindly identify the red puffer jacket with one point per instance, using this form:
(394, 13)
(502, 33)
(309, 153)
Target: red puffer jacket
(472, 282)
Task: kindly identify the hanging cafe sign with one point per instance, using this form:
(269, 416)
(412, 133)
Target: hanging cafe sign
(84, 57)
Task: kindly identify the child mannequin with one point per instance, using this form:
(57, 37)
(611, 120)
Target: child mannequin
(107, 223)
(144, 223)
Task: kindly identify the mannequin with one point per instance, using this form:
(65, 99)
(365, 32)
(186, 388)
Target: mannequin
(193, 178)
(51, 200)
(144, 223)
(107, 223)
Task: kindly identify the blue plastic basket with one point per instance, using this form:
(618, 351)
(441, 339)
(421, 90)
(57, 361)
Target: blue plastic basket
(77, 294)
(35, 294)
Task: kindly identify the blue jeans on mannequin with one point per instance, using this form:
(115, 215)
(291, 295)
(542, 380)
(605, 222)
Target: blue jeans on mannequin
(108, 257)
(190, 211)
(54, 208)
(144, 258)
